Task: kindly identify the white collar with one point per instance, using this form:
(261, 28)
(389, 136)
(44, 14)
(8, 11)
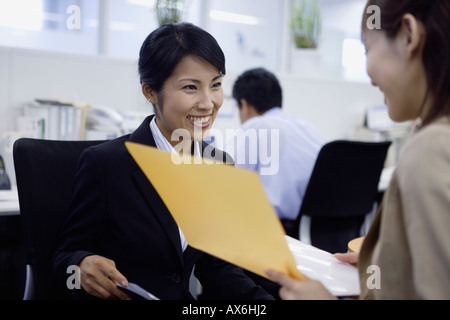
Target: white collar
(163, 144)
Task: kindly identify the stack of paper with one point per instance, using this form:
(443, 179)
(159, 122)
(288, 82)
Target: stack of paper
(341, 279)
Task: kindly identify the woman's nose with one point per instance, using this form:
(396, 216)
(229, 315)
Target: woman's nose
(205, 101)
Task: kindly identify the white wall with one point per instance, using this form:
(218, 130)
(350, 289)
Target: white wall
(28, 74)
(31, 74)
(335, 107)
(343, 15)
(5, 77)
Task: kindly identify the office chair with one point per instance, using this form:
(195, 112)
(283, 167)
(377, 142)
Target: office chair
(341, 192)
(44, 173)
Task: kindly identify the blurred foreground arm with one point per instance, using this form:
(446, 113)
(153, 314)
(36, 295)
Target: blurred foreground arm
(293, 289)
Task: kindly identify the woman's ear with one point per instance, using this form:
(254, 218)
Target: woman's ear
(244, 110)
(413, 32)
(244, 105)
(149, 93)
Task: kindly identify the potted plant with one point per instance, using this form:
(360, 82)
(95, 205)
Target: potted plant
(170, 11)
(305, 23)
(305, 27)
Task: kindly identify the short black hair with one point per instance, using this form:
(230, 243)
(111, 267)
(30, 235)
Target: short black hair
(260, 88)
(163, 49)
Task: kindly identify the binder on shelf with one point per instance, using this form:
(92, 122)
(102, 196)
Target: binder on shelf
(56, 120)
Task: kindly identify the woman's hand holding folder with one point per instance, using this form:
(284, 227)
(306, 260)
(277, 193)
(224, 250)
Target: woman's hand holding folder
(99, 277)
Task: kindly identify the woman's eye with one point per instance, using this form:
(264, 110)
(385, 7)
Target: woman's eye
(190, 87)
(217, 85)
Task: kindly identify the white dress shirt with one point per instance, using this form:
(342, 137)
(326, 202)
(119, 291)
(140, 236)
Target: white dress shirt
(283, 151)
(163, 144)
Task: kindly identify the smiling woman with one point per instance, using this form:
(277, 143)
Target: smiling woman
(163, 49)
(117, 219)
(182, 73)
(190, 98)
(406, 251)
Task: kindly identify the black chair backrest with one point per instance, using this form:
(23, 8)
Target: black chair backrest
(44, 172)
(345, 178)
(343, 187)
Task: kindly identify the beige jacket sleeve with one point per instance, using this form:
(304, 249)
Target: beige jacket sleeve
(424, 180)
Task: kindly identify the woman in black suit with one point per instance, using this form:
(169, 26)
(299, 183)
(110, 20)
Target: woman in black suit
(119, 229)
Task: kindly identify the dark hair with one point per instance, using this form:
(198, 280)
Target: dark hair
(260, 88)
(435, 16)
(167, 45)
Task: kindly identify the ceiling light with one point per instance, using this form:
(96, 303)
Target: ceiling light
(233, 17)
(147, 3)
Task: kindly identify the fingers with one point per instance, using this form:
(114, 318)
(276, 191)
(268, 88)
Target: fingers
(293, 289)
(280, 277)
(99, 277)
(351, 258)
(289, 286)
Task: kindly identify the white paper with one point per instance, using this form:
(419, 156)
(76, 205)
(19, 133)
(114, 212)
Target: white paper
(137, 290)
(341, 279)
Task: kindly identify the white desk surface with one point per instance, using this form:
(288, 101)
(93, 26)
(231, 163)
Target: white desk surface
(9, 203)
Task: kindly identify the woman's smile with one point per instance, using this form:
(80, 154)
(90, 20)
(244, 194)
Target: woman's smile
(200, 121)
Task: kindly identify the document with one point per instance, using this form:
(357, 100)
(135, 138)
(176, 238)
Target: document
(221, 210)
(341, 279)
(224, 211)
(136, 292)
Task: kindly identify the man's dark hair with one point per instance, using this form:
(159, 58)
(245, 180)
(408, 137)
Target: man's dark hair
(260, 88)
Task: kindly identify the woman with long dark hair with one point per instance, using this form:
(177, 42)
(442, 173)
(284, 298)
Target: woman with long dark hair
(406, 253)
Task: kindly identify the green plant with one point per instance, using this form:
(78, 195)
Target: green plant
(170, 11)
(305, 23)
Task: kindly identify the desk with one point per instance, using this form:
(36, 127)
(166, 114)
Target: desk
(12, 251)
(9, 203)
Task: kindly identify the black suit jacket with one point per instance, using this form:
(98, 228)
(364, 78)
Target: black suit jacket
(116, 213)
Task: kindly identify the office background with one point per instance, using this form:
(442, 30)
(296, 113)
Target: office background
(41, 58)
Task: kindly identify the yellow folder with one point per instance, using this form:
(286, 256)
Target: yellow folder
(222, 210)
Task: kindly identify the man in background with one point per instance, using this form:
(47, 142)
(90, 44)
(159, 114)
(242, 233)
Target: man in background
(281, 149)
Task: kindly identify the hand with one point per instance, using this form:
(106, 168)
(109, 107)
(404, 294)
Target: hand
(293, 289)
(99, 277)
(351, 258)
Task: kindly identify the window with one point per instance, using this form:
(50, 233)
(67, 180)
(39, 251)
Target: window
(56, 25)
(354, 60)
(130, 23)
(253, 32)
